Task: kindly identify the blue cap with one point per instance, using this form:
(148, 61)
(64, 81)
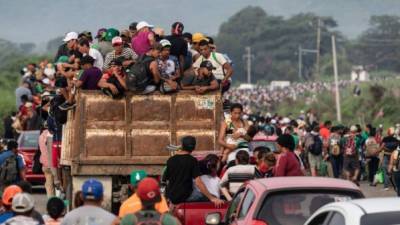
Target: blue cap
(92, 189)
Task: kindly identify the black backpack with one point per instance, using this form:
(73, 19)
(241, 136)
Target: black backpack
(148, 218)
(136, 75)
(316, 147)
(9, 171)
(60, 116)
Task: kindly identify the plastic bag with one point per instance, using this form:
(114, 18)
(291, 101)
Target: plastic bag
(379, 177)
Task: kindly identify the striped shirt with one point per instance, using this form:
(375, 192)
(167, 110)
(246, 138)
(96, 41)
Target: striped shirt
(127, 53)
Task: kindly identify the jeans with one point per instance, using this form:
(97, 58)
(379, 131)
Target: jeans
(337, 165)
(385, 165)
(196, 196)
(373, 165)
(396, 178)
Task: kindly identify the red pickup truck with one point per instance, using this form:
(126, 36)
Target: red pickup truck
(283, 200)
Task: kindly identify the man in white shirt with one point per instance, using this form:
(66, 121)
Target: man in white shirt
(223, 70)
(84, 48)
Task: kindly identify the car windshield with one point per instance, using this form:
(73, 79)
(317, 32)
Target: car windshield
(384, 218)
(288, 208)
(29, 140)
(269, 144)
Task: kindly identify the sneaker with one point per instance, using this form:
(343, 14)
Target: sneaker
(149, 89)
(67, 106)
(386, 189)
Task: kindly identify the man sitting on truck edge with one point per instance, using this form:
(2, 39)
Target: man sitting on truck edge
(181, 170)
(204, 82)
(149, 194)
(133, 203)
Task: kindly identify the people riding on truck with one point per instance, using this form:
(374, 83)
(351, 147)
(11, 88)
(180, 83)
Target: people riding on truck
(182, 173)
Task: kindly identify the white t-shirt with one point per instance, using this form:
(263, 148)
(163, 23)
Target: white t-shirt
(98, 58)
(212, 184)
(218, 62)
(238, 169)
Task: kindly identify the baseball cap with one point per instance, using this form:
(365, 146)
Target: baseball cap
(100, 32)
(136, 176)
(9, 194)
(116, 40)
(22, 202)
(143, 24)
(70, 36)
(177, 27)
(86, 34)
(125, 33)
(132, 26)
(207, 64)
(165, 43)
(353, 128)
(188, 143)
(197, 37)
(110, 34)
(148, 191)
(92, 189)
(62, 59)
(117, 61)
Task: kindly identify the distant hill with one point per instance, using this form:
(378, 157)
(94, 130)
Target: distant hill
(49, 19)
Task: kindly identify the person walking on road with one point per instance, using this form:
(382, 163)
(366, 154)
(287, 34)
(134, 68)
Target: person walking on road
(388, 146)
(288, 164)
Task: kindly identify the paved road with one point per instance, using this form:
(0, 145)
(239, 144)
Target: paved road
(370, 192)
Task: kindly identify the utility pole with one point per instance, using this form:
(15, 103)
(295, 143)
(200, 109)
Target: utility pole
(248, 57)
(300, 62)
(335, 70)
(301, 52)
(317, 75)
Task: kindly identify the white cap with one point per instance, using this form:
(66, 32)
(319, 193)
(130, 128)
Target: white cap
(116, 40)
(285, 121)
(353, 128)
(22, 202)
(46, 81)
(49, 71)
(165, 42)
(71, 36)
(143, 24)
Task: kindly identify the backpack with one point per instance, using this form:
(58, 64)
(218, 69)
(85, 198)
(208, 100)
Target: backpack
(316, 147)
(60, 116)
(9, 171)
(148, 218)
(136, 75)
(350, 148)
(371, 147)
(335, 147)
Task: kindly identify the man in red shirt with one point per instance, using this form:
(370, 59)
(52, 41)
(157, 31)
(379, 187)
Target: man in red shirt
(325, 130)
(288, 163)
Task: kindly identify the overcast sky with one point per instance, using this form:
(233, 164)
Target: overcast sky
(41, 20)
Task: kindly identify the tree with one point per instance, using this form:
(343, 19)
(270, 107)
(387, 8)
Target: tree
(379, 46)
(274, 42)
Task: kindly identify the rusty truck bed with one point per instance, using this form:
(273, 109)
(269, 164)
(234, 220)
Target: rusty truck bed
(104, 136)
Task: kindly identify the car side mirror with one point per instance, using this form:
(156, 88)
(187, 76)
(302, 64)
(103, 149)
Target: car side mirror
(213, 219)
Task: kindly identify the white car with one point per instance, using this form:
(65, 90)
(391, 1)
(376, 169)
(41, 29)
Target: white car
(374, 211)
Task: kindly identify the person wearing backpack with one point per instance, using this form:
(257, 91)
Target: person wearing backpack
(394, 169)
(313, 145)
(12, 166)
(149, 194)
(144, 76)
(336, 151)
(372, 151)
(388, 145)
(351, 164)
(223, 70)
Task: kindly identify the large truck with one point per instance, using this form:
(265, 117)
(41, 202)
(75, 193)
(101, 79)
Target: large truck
(106, 139)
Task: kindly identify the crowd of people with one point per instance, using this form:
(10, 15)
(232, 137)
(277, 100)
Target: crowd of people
(265, 98)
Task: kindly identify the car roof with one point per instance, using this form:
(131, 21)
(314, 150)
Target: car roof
(376, 205)
(303, 183)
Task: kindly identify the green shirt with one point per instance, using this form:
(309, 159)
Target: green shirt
(166, 219)
(296, 140)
